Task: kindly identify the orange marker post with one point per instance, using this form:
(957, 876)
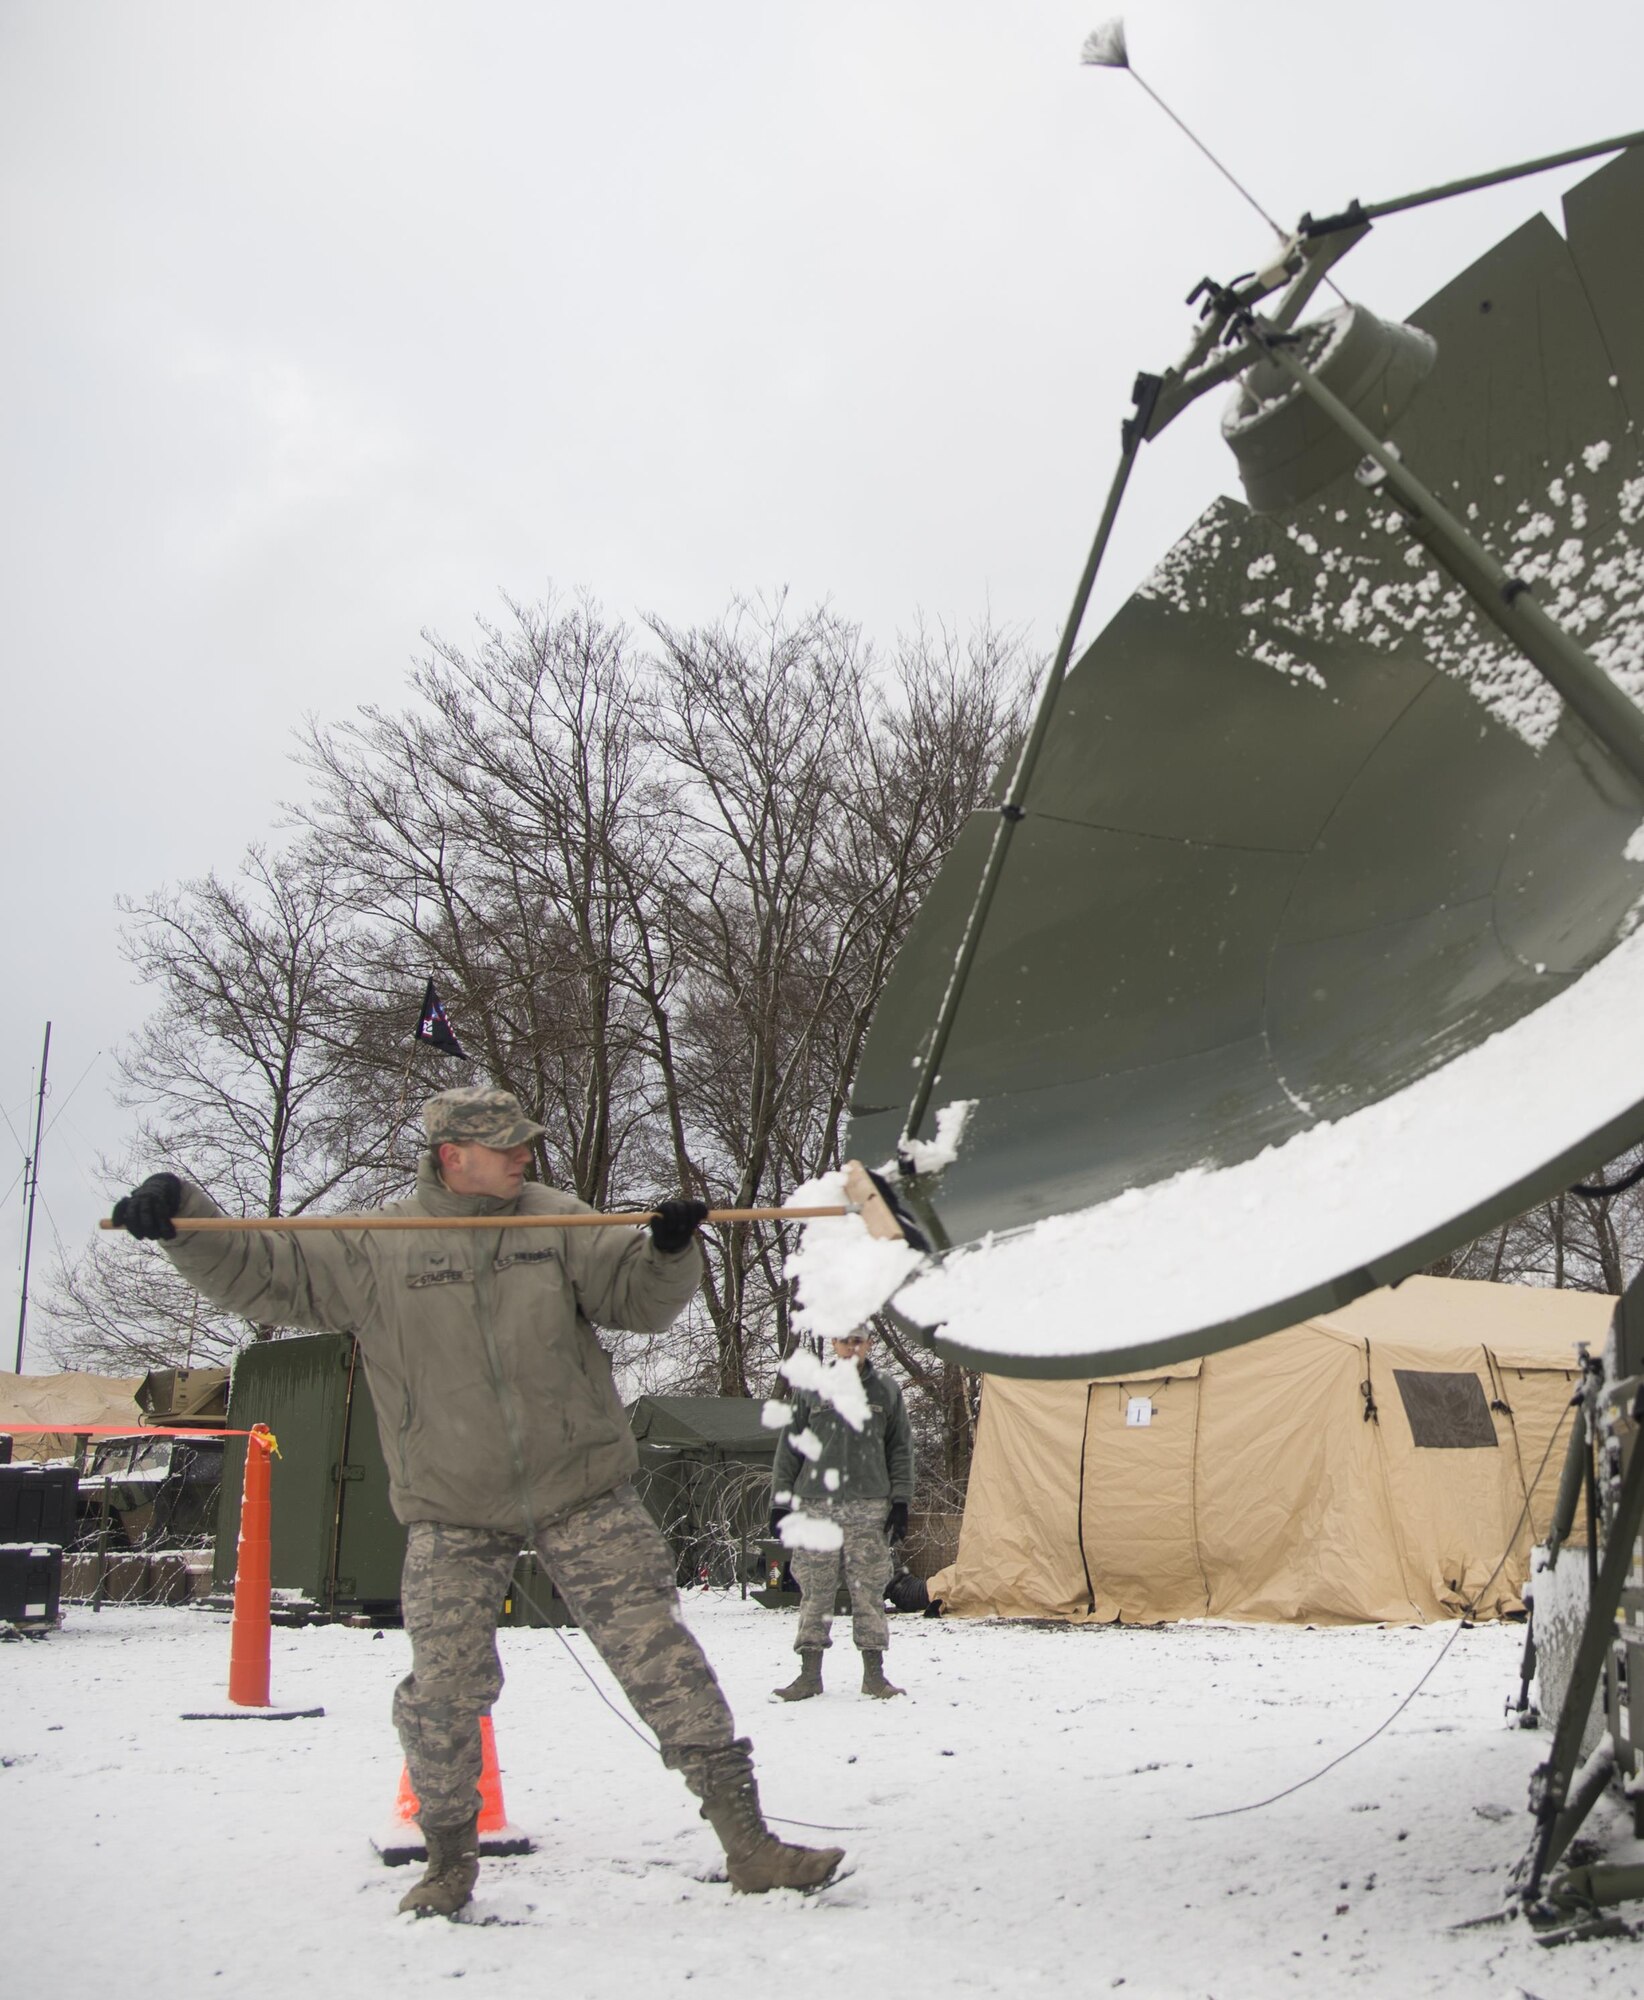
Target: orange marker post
(248, 1661)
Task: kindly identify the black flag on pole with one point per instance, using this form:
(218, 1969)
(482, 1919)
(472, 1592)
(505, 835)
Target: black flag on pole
(435, 1026)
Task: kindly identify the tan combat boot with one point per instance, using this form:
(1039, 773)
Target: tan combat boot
(809, 1681)
(874, 1682)
(755, 1859)
(453, 1869)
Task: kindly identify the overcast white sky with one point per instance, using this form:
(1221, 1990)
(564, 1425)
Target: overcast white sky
(326, 323)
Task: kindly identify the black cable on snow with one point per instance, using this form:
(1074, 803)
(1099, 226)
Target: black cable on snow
(1256, 1805)
(628, 1723)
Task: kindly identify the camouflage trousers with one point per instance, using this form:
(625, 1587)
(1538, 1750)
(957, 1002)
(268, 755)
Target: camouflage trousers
(616, 1573)
(865, 1563)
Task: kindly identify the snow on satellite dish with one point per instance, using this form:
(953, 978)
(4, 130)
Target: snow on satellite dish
(1304, 948)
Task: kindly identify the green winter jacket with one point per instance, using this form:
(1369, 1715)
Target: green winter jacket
(494, 1399)
(874, 1463)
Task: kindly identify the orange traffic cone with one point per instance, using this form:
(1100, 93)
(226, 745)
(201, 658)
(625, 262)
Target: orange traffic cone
(248, 1630)
(496, 1836)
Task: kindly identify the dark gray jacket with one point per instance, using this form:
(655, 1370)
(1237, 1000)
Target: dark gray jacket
(494, 1399)
(874, 1463)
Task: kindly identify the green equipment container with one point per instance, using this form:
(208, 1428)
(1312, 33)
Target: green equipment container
(336, 1549)
(533, 1597)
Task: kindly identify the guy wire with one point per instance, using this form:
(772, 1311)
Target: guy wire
(1226, 172)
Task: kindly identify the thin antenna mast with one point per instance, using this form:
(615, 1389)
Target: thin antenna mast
(31, 1168)
(1105, 48)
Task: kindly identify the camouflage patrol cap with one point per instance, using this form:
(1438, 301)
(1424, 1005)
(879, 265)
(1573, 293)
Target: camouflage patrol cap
(477, 1118)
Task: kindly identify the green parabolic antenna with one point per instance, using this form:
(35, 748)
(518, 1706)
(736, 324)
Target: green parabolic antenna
(1313, 953)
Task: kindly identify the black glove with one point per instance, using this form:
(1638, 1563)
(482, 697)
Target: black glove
(778, 1516)
(676, 1222)
(896, 1521)
(147, 1211)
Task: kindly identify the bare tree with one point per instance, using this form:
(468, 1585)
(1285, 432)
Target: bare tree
(500, 835)
(661, 895)
(247, 1075)
(757, 715)
(251, 1077)
(1576, 1241)
(818, 795)
(120, 1308)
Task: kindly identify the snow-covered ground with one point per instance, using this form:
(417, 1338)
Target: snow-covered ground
(1020, 1823)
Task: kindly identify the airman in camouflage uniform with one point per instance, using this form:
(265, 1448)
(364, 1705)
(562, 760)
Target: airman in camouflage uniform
(501, 1428)
(860, 1482)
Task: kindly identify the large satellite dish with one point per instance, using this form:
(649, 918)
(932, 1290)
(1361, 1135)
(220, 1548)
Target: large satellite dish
(1304, 950)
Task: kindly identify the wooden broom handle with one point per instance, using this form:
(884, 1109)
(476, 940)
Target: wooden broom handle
(575, 1220)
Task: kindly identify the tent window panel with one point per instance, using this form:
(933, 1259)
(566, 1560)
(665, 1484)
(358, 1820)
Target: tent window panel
(1446, 1412)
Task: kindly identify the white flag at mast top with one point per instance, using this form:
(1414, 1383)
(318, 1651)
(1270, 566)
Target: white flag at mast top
(1105, 46)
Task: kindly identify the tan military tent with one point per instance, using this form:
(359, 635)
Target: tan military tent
(1369, 1464)
(72, 1400)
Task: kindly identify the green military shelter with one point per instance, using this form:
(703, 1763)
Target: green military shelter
(705, 1474)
